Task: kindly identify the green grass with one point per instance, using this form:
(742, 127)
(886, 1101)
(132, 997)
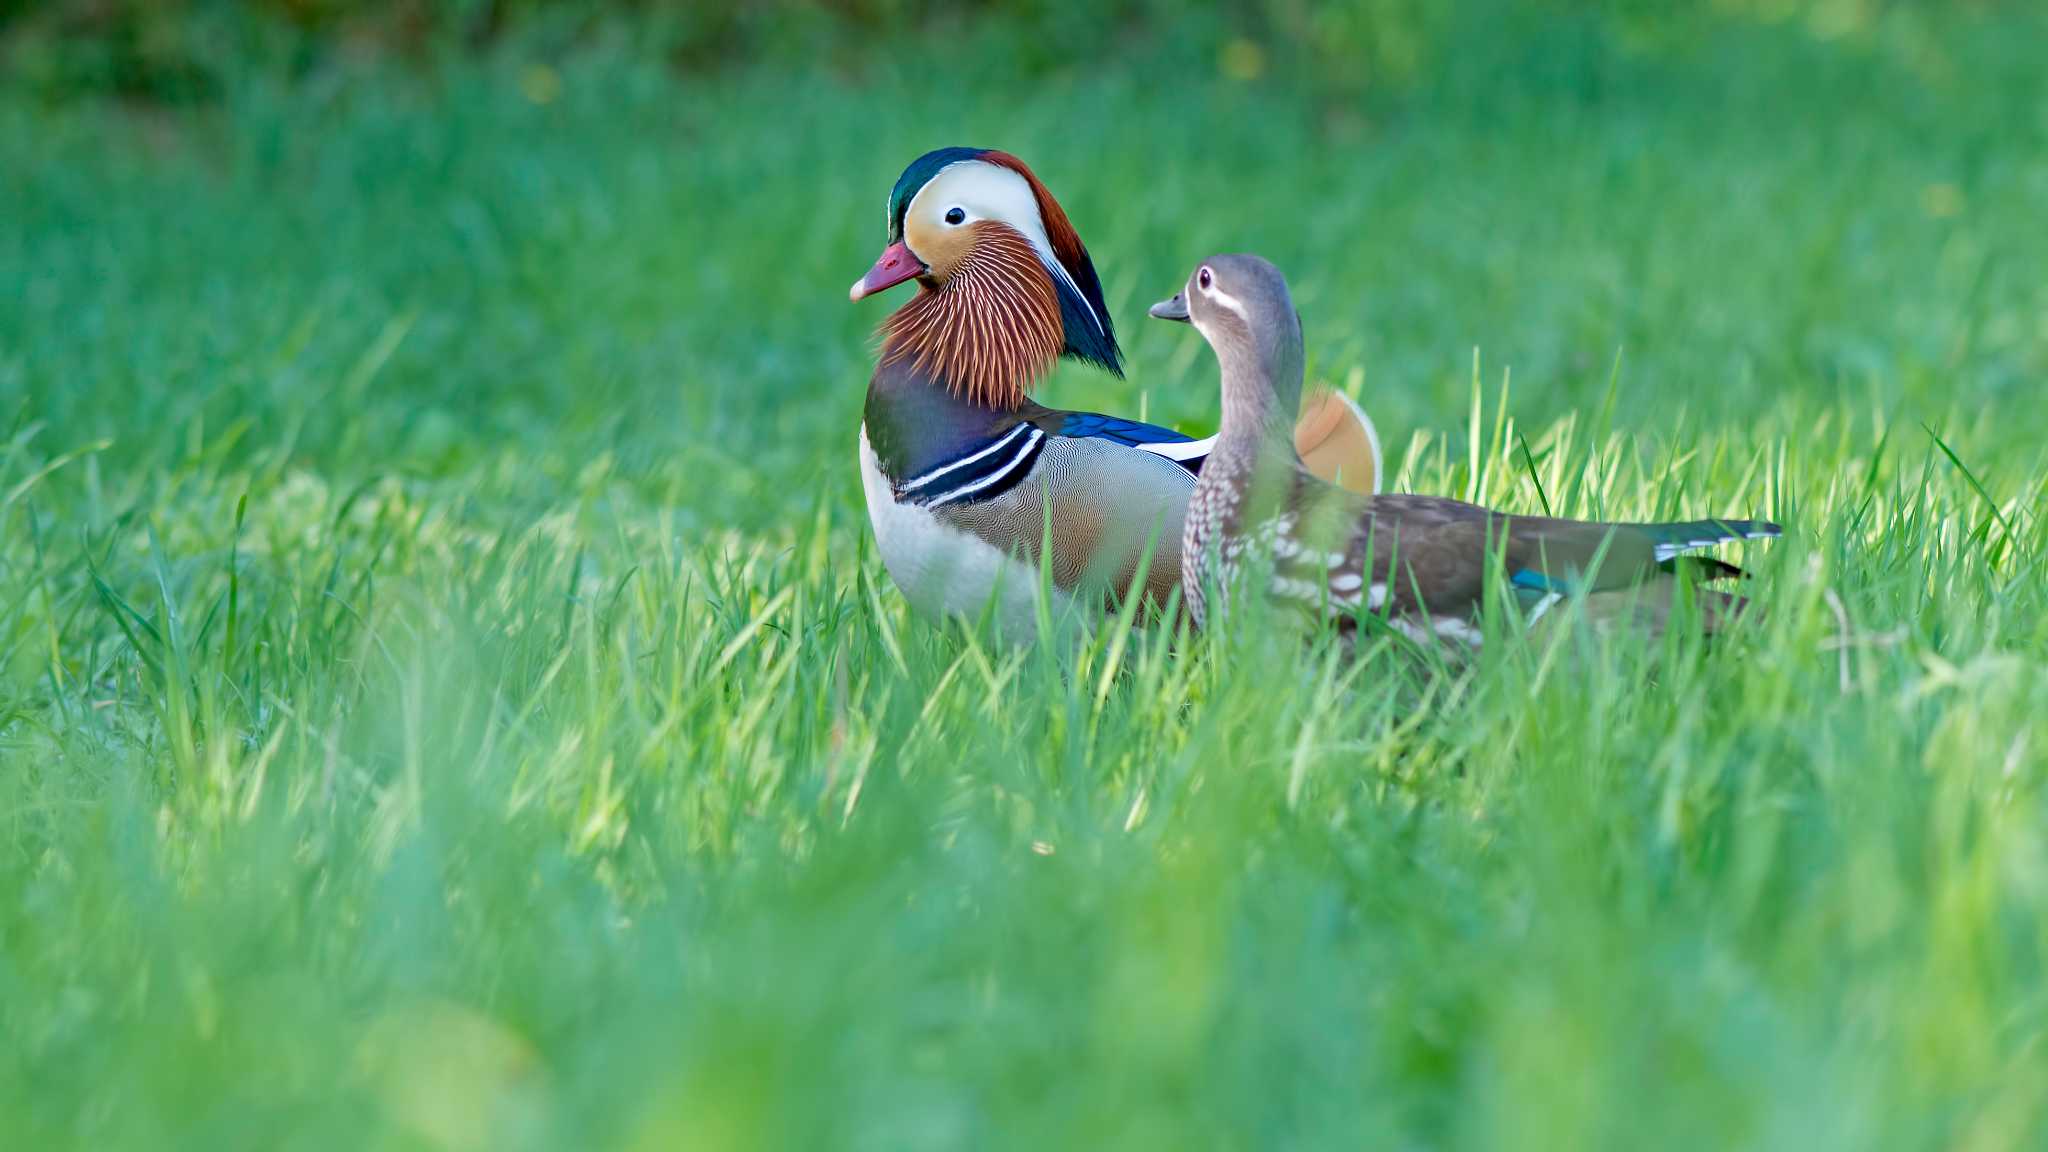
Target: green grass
(448, 698)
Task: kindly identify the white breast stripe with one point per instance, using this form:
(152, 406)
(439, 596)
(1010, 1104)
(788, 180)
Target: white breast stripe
(965, 490)
(934, 474)
(943, 570)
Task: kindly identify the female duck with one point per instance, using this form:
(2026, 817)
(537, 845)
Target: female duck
(1418, 561)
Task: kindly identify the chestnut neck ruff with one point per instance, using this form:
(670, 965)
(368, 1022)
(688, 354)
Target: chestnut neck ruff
(991, 331)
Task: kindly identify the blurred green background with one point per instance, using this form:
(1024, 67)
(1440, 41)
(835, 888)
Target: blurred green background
(448, 699)
(194, 49)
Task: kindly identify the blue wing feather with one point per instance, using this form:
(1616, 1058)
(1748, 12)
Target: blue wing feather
(1127, 432)
(1143, 437)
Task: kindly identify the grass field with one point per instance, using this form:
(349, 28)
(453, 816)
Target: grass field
(448, 699)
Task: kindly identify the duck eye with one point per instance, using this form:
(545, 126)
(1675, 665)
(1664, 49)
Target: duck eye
(1204, 278)
(956, 215)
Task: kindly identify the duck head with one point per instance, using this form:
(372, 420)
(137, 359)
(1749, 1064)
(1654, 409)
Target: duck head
(1005, 287)
(1241, 306)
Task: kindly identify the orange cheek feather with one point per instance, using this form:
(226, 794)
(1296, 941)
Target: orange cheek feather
(942, 249)
(991, 327)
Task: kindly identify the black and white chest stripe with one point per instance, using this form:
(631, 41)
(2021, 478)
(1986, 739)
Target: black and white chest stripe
(982, 474)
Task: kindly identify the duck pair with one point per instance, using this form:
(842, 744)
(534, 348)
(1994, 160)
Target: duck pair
(973, 488)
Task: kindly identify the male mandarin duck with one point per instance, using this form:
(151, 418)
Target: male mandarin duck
(965, 476)
(1419, 562)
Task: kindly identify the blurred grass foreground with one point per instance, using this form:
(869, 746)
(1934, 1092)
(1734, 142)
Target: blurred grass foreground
(448, 699)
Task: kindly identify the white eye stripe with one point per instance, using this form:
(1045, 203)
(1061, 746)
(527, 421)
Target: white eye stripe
(1230, 302)
(1205, 280)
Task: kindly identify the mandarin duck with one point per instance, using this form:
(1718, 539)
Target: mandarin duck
(966, 477)
(1417, 562)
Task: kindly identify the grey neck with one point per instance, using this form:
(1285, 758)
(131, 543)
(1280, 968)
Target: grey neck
(1261, 399)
